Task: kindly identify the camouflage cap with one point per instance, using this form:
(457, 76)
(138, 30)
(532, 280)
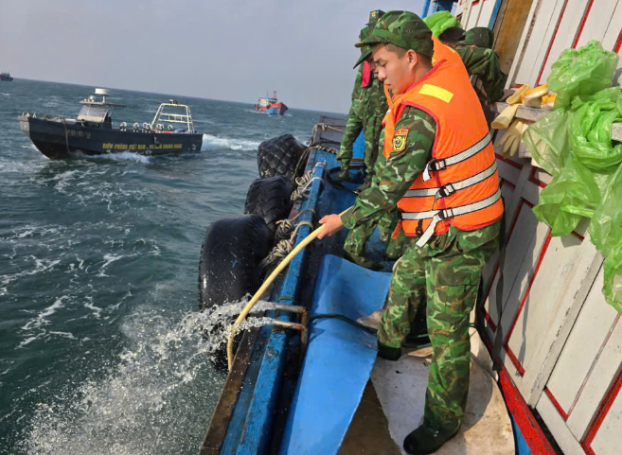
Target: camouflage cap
(374, 16)
(365, 50)
(403, 29)
(478, 36)
(366, 32)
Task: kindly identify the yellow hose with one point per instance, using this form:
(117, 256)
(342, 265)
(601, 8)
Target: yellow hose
(249, 306)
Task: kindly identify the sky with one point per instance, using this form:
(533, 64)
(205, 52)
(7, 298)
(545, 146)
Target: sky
(234, 50)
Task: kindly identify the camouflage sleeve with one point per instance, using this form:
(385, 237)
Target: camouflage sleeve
(358, 82)
(354, 124)
(399, 172)
(485, 64)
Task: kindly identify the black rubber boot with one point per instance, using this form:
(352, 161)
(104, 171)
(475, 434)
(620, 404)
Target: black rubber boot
(343, 176)
(389, 353)
(425, 440)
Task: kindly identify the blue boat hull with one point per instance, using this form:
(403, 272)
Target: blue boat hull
(272, 403)
(276, 109)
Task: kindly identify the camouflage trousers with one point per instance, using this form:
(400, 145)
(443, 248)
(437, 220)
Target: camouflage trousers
(444, 275)
(357, 238)
(371, 128)
(397, 245)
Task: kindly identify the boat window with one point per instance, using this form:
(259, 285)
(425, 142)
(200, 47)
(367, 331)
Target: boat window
(93, 113)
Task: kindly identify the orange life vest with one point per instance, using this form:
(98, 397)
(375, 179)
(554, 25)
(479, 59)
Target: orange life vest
(459, 185)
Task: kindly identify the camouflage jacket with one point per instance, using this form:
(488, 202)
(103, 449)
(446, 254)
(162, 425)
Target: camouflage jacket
(484, 64)
(368, 108)
(400, 170)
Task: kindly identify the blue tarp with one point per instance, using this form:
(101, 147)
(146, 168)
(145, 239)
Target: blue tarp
(338, 361)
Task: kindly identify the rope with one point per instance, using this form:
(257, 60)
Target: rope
(285, 245)
(326, 126)
(302, 162)
(319, 146)
(304, 156)
(304, 185)
(285, 227)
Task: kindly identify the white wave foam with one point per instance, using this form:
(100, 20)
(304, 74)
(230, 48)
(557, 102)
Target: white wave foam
(64, 335)
(12, 166)
(97, 311)
(109, 259)
(29, 340)
(63, 179)
(121, 156)
(40, 320)
(49, 311)
(214, 142)
(41, 265)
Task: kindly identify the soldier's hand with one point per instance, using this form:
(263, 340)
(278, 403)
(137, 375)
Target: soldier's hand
(343, 176)
(332, 224)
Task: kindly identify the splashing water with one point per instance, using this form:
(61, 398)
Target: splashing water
(142, 405)
(211, 142)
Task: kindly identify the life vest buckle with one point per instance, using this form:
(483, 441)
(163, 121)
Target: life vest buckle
(445, 214)
(447, 190)
(438, 165)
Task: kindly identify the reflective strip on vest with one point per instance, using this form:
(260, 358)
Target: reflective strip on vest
(451, 188)
(439, 165)
(444, 214)
(436, 92)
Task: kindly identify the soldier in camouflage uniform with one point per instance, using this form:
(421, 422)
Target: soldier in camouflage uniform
(446, 271)
(482, 62)
(368, 108)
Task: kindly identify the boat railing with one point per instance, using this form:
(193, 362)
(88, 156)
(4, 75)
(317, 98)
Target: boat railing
(181, 114)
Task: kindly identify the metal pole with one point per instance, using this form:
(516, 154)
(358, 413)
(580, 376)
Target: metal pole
(495, 12)
(426, 8)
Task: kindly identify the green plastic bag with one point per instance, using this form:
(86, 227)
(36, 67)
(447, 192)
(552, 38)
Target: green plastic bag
(574, 144)
(606, 234)
(590, 135)
(606, 226)
(547, 140)
(612, 288)
(441, 21)
(581, 72)
(571, 195)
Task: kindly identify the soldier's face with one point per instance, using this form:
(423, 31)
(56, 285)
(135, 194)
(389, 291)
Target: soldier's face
(396, 72)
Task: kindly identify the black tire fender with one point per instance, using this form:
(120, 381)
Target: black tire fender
(270, 199)
(279, 156)
(229, 267)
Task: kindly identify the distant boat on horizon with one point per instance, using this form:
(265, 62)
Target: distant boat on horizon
(5, 77)
(270, 105)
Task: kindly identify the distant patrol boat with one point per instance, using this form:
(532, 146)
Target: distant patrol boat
(92, 132)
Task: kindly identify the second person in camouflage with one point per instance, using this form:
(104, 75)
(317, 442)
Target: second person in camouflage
(482, 62)
(369, 106)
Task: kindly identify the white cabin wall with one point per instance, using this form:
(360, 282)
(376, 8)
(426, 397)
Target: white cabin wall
(563, 24)
(480, 13)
